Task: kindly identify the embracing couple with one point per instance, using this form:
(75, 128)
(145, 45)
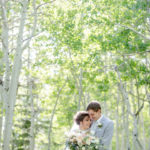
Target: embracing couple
(94, 122)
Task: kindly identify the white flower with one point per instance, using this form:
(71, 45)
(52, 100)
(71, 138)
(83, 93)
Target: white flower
(100, 125)
(83, 148)
(96, 147)
(88, 142)
(79, 140)
(82, 141)
(92, 132)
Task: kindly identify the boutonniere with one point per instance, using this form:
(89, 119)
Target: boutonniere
(100, 125)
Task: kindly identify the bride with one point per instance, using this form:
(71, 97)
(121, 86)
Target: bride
(82, 123)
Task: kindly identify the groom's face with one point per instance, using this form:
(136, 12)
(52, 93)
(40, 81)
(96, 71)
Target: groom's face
(94, 115)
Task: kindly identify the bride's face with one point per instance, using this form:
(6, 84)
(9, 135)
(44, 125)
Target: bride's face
(86, 123)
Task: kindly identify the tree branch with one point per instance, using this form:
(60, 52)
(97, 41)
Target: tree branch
(53, 113)
(139, 110)
(130, 28)
(131, 54)
(137, 97)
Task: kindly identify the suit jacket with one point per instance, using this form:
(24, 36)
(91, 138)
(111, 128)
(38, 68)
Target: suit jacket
(103, 129)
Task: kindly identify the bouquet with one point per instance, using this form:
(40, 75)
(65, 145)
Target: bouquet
(80, 141)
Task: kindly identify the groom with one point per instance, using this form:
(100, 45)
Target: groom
(102, 127)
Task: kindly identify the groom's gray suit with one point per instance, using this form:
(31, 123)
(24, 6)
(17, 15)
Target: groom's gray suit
(103, 129)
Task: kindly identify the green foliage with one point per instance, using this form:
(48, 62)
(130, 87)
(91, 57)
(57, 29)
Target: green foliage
(21, 140)
(82, 42)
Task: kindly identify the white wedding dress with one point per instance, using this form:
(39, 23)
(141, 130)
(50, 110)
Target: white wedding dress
(75, 129)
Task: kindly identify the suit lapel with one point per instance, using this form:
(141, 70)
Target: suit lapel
(100, 130)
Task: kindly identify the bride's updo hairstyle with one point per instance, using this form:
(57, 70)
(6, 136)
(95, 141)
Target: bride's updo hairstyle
(79, 117)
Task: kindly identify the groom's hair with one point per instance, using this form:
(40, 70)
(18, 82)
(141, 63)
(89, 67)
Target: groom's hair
(94, 105)
(80, 116)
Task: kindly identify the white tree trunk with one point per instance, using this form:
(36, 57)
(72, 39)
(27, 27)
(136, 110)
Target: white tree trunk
(117, 120)
(126, 101)
(105, 100)
(14, 81)
(5, 45)
(32, 139)
(143, 132)
(127, 121)
(5, 87)
(123, 128)
(136, 142)
(88, 97)
(30, 93)
(134, 110)
(105, 106)
(84, 100)
(78, 80)
(52, 116)
(80, 89)
(1, 110)
(146, 76)
(135, 115)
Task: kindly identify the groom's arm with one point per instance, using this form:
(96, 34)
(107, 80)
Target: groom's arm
(107, 137)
